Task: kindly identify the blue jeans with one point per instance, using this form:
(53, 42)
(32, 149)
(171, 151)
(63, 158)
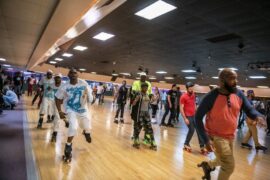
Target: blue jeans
(191, 129)
(7, 101)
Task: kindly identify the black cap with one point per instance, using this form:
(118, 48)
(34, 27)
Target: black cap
(144, 84)
(189, 84)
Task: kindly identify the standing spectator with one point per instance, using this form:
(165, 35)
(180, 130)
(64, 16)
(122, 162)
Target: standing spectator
(170, 106)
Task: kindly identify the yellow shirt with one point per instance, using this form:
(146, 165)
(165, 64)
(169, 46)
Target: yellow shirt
(136, 86)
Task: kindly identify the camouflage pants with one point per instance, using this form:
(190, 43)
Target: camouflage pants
(144, 121)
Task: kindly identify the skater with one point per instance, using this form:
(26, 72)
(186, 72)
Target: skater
(38, 94)
(188, 108)
(170, 106)
(30, 83)
(121, 102)
(179, 94)
(252, 130)
(141, 117)
(18, 83)
(55, 87)
(163, 100)
(154, 104)
(100, 90)
(221, 107)
(48, 98)
(76, 96)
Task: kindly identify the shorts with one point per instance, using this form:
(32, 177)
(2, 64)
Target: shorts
(78, 119)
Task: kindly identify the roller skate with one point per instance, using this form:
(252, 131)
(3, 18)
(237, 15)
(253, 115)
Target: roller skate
(261, 148)
(40, 121)
(162, 124)
(49, 119)
(121, 120)
(204, 151)
(147, 139)
(115, 121)
(67, 156)
(54, 135)
(206, 169)
(187, 148)
(246, 145)
(87, 137)
(153, 145)
(136, 143)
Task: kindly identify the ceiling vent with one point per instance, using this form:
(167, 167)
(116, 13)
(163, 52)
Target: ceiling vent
(222, 38)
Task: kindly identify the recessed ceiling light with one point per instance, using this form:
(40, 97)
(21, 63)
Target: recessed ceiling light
(190, 77)
(52, 62)
(126, 74)
(103, 36)
(162, 81)
(58, 59)
(156, 9)
(234, 69)
(6, 65)
(263, 87)
(168, 77)
(161, 72)
(82, 69)
(67, 55)
(257, 77)
(2, 59)
(80, 48)
(215, 77)
(153, 78)
(188, 71)
(93, 72)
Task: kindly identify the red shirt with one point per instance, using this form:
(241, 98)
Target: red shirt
(189, 102)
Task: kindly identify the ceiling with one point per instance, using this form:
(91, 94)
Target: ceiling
(22, 23)
(173, 41)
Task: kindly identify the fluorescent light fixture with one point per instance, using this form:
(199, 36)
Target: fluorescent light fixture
(82, 69)
(58, 59)
(10, 68)
(154, 10)
(257, 77)
(234, 69)
(263, 87)
(93, 72)
(169, 78)
(215, 77)
(188, 71)
(52, 62)
(67, 55)
(80, 48)
(6, 65)
(103, 36)
(114, 74)
(190, 77)
(162, 81)
(126, 74)
(2, 59)
(214, 85)
(161, 72)
(153, 78)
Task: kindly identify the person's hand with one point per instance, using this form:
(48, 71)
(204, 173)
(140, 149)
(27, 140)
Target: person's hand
(209, 146)
(62, 115)
(186, 121)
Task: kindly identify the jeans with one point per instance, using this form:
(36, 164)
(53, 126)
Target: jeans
(121, 107)
(191, 129)
(172, 110)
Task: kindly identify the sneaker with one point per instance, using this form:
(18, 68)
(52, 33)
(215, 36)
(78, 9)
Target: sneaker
(246, 145)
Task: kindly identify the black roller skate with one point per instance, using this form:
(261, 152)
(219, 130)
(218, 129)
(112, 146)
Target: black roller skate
(87, 137)
(246, 145)
(40, 121)
(52, 118)
(262, 148)
(49, 119)
(115, 121)
(67, 156)
(122, 121)
(54, 135)
(153, 145)
(136, 143)
(206, 169)
(187, 148)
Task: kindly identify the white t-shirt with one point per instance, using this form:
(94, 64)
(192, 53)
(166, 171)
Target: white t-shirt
(12, 96)
(100, 89)
(47, 83)
(76, 97)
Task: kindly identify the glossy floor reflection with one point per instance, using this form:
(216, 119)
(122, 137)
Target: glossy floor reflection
(111, 155)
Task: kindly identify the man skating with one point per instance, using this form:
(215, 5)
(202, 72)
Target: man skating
(121, 102)
(222, 107)
(76, 96)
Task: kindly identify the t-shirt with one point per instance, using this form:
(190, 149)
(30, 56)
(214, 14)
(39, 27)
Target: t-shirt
(76, 97)
(11, 96)
(173, 96)
(45, 82)
(122, 95)
(189, 102)
(17, 80)
(100, 89)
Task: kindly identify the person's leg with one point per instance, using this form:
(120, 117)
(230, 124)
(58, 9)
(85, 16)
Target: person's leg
(122, 112)
(177, 113)
(137, 125)
(167, 109)
(155, 110)
(86, 125)
(190, 133)
(172, 115)
(56, 123)
(149, 133)
(247, 137)
(117, 113)
(224, 157)
(6, 101)
(42, 112)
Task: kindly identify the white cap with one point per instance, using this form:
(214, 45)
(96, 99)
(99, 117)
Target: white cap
(58, 75)
(49, 71)
(143, 74)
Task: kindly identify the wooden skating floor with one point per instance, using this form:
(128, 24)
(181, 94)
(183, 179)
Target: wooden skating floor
(111, 155)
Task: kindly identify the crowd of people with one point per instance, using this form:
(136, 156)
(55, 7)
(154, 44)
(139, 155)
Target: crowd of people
(214, 118)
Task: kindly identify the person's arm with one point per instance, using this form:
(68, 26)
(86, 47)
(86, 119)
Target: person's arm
(136, 100)
(182, 102)
(59, 96)
(169, 100)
